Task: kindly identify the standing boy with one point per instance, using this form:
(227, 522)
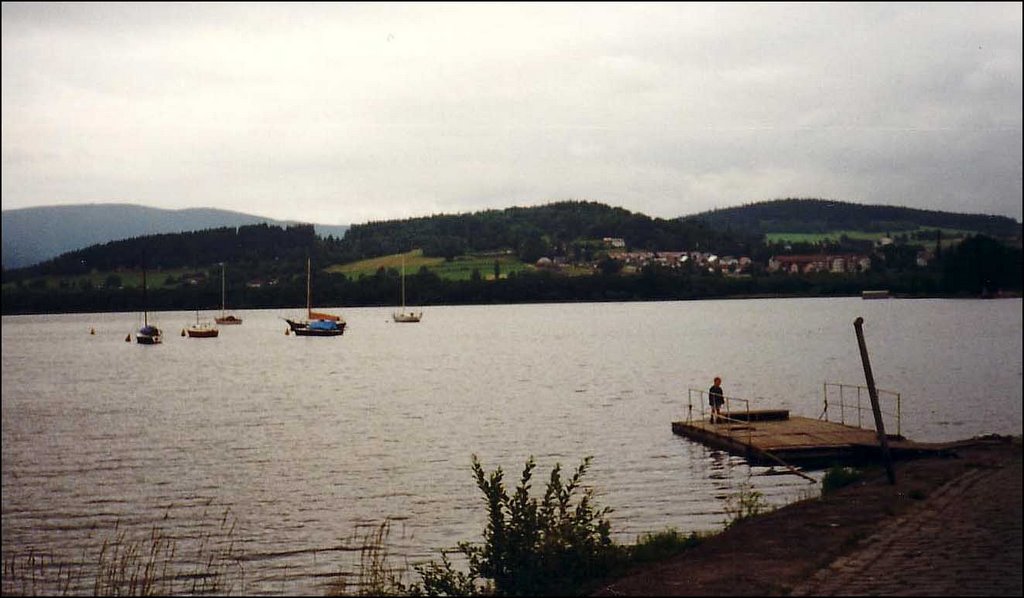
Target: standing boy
(717, 398)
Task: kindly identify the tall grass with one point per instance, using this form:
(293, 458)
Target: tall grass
(557, 544)
(661, 545)
(375, 574)
(128, 564)
(745, 504)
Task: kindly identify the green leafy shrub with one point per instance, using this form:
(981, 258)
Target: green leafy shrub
(530, 547)
(837, 477)
(444, 580)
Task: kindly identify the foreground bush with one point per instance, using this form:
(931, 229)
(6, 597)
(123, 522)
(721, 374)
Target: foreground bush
(530, 547)
(837, 477)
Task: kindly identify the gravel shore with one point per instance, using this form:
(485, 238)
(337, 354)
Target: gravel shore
(950, 526)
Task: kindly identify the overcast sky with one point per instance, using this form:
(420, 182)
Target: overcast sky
(345, 113)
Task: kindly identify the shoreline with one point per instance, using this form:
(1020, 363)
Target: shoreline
(950, 526)
(955, 297)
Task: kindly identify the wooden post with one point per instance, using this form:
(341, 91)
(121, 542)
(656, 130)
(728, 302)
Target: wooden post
(883, 441)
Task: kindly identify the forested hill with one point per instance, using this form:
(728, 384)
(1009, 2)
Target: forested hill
(33, 235)
(247, 245)
(266, 264)
(569, 228)
(530, 232)
(533, 231)
(819, 216)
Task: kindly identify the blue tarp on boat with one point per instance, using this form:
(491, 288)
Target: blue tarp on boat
(322, 325)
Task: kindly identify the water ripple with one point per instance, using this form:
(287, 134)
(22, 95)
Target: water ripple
(291, 449)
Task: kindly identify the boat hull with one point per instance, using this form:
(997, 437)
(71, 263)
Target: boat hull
(202, 333)
(295, 325)
(315, 332)
(406, 318)
(228, 321)
(149, 335)
(316, 327)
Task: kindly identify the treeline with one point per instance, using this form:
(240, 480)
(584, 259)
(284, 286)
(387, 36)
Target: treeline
(556, 229)
(819, 216)
(570, 229)
(979, 266)
(274, 257)
(251, 244)
(559, 229)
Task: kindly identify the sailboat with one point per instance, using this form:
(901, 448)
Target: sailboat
(148, 334)
(202, 329)
(403, 316)
(229, 319)
(316, 323)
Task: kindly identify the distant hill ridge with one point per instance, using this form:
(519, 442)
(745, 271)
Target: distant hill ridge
(821, 216)
(33, 235)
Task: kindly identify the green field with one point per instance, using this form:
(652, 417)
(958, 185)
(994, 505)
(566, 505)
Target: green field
(460, 268)
(129, 279)
(413, 261)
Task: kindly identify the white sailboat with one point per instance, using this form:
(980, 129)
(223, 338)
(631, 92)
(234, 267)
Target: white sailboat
(225, 319)
(404, 316)
(202, 329)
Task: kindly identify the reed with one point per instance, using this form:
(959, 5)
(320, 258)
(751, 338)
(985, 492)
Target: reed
(375, 574)
(35, 573)
(132, 565)
(745, 504)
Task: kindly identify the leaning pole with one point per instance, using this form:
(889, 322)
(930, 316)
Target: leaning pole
(883, 441)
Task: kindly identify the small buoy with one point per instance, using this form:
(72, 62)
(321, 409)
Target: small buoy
(182, 332)
(287, 331)
(128, 338)
(92, 331)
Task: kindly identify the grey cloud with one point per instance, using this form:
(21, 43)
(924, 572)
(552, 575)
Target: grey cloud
(377, 111)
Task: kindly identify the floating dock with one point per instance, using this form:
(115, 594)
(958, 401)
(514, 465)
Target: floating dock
(770, 437)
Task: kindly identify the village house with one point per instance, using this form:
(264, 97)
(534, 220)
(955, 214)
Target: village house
(258, 283)
(678, 259)
(808, 264)
(194, 279)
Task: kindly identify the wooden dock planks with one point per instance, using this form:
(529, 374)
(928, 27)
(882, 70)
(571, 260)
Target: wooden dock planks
(766, 437)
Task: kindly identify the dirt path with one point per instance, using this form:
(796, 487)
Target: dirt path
(949, 527)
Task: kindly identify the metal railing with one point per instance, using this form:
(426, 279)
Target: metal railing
(732, 406)
(853, 402)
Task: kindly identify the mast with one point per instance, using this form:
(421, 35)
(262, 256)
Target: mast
(145, 314)
(222, 292)
(309, 305)
(403, 283)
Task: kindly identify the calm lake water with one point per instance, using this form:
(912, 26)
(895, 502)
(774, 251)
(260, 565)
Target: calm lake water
(302, 443)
